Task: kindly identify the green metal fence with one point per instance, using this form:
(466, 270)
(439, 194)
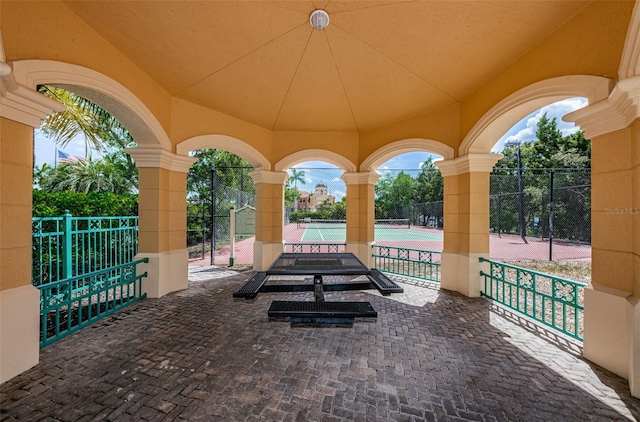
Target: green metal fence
(71, 304)
(85, 269)
(68, 246)
(417, 263)
(306, 247)
(553, 301)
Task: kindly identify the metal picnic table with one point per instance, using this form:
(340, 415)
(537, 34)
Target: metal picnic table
(318, 265)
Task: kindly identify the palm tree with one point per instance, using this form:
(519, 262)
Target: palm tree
(92, 176)
(81, 117)
(295, 177)
(101, 131)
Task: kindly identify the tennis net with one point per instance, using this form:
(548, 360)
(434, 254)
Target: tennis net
(380, 223)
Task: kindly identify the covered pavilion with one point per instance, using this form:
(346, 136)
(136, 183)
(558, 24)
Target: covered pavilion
(269, 81)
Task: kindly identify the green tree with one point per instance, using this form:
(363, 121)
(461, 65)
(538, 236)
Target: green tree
(296, 176)
(430, 184)
(551, 150)
(81, 117)
(289, 195)
(81, 204)
(394, 195)
(339, 210)
(325, 206)
(199, 176)
(101, 131)
(92, 176)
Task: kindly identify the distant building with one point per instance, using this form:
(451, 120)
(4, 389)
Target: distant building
(303, 201)
(322, 198)
(315, 201)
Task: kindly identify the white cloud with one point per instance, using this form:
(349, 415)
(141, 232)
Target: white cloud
(336, 179)
(339, 195)
(525, 129)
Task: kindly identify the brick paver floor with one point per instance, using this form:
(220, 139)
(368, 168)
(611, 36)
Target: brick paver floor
(199, 355)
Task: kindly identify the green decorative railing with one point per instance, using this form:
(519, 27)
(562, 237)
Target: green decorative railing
(303, 247)
(71, 304)
(553, 301)
(68, 246)
(416, 263)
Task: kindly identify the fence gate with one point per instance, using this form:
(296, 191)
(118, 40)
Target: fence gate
(209, 216)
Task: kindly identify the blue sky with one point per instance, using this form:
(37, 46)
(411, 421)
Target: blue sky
(318, 171)
(45, 149)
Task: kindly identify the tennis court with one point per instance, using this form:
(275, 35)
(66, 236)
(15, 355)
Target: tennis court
(336, 230)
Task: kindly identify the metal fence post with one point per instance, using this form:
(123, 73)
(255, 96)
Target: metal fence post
(551, 215)
(67, 270)
(202, 227)
(213, 214)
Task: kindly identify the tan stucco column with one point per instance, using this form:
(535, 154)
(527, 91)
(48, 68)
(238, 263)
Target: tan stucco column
(269, 242)
(612, 309)
(21, 110)
(466, 221)
(162, 227)
(361, 213)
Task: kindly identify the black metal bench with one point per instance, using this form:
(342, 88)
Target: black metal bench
(384, 284)
(252, 287)
(320, 312)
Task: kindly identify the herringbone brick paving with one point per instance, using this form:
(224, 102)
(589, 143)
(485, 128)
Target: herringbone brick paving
(199, 355)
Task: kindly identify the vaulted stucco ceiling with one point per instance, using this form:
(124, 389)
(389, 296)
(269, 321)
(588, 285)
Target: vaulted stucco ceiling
(376, 63)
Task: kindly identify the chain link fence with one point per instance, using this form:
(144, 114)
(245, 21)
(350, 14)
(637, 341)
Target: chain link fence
(209, 206)
(414, 195)
(540, 214)
(535, 214)
(315, 210)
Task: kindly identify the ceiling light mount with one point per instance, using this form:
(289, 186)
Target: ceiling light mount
(319, 19)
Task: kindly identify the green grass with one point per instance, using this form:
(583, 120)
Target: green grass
(573, 270)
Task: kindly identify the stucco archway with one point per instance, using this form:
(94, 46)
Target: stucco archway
(227, 143)
(506, 113)
(109, 94)
(373, 161)
(315, 155)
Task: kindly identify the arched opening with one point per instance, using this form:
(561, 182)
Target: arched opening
(540, 193)
(409, 195)
(221, 200)
(85, 229)
(315, 200)
(408, 207)
(315, 208)
(227, 143)
(544, 174)
(505, 114)
(116, 99)
(409, 216)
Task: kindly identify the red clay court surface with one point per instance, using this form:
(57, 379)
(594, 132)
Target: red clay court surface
(504, 247)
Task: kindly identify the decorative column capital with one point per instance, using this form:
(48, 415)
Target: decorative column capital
(269, 177)
(361, 178)
(158, 157)
(467, 164)
(616, 112)
(22, 104)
